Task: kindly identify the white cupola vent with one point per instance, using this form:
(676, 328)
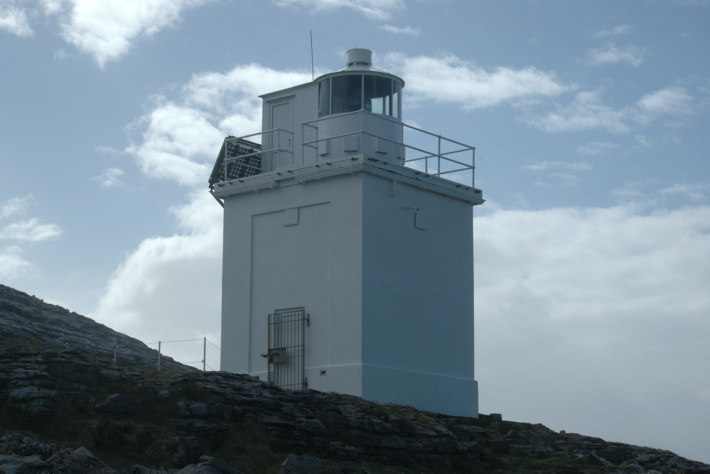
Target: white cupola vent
(359, 57)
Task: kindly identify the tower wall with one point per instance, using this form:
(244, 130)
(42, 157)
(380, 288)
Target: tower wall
(384, 271)
(363, 133)
(296, 245)
(418, 298)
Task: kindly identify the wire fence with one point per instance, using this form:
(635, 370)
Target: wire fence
(185, 351)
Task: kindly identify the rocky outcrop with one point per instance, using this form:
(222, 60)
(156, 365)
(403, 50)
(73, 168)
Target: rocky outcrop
(220, 422)
(45, 457)
(28, 322)
(67, 410)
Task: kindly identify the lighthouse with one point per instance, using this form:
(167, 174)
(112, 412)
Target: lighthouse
(348, 246)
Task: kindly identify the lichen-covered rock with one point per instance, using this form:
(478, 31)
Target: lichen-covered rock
(294, 464)
(209, 465)
(16, 464)
(108, 434)
(28, 322)
(120, 403)
(89, 462)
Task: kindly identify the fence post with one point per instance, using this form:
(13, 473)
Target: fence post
(204, 354)
(158, 355)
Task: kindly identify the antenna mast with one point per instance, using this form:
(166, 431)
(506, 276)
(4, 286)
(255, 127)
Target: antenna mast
(313, 75)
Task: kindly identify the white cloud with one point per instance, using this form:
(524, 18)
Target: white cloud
(650, 193)
(612, 54)
(169, 287)
(695, 192)
(104, 29)
(107, 29)
(560, 165)
(637, 192)
(177, 144)
(53, 7)
(401, 30)
(14, 20)
(598, 316)
(597, 148)
(614, 31)
(16, 205)
(450, 79)
(14, 227)
(110, 177)
(216, 92)
(642, 141)
(559, 173)
(671, 100)
(29, 231)
(12, 262)
(179, 140)
(375, 9)
(587, 111)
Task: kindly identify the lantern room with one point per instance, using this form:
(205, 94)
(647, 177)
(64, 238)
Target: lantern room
(360, 87)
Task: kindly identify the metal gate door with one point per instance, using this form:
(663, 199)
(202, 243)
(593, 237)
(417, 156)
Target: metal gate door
(287, 334)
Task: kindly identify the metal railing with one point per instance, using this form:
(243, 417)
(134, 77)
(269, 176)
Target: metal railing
(450, 165)
(176, 355)
(443, 157)
(437, 162)
(272, 138)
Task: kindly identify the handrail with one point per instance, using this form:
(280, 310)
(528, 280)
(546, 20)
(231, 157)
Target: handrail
(277, 149)
(444, 159)
(427, 154)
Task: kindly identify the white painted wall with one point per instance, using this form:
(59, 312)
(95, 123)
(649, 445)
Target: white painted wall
(361, 133)
(303, 107)
(418, 298)
(383, 268)
(296, 245)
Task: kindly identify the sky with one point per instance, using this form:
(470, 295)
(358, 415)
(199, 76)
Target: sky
(590, 121)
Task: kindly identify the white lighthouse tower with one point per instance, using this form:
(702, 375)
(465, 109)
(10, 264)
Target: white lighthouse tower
(348, 252)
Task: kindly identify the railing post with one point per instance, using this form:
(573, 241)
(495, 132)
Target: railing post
(438, 157)
(473, 167)
(362, 131)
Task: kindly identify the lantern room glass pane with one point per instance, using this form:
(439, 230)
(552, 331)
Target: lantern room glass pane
(378, 95)
(396, 100)
(324, 98)
(347, 94)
